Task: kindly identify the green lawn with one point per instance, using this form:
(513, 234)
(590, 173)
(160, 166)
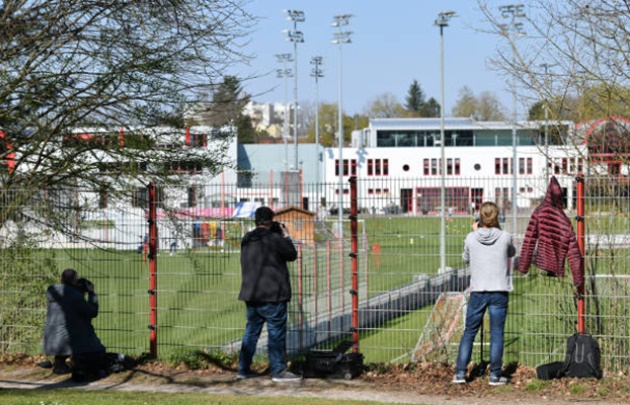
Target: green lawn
(197, 306)
(81, 397)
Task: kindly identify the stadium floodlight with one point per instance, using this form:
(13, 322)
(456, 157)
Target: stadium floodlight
(285, 73)
(317, 73)
(341, 37)
(442, 21)
(296, 37)
(513, 12)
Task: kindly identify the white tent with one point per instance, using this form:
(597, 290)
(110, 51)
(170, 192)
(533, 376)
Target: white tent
(245, 209)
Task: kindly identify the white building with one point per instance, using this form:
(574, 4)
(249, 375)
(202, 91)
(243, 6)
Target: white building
(399, 161)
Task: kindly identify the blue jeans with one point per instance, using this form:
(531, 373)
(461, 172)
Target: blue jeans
(275, 314)
(497, 304)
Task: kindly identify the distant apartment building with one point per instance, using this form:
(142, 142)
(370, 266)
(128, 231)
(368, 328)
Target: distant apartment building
(268, 117)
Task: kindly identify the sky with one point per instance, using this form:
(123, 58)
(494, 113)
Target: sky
(393, 43)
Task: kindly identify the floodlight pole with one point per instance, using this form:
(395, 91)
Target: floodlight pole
(296, 37)
(546, 66)
(442, 21)
(317, 73)
(341, 37)
(514, 12)
(285, 73)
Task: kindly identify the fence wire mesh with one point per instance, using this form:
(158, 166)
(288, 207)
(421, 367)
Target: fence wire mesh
(410, 307)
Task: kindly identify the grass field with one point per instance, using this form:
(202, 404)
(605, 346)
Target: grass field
(197, 291)
(81, 397)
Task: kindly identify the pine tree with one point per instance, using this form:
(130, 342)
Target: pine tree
(414, 101)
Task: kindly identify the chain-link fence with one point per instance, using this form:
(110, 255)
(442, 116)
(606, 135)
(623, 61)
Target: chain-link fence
(411, 279)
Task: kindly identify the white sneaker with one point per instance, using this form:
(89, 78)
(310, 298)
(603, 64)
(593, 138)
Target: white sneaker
(286, 376)
(493, 380)
(459, 379)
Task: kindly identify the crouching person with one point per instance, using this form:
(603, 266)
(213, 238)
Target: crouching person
(69, 335)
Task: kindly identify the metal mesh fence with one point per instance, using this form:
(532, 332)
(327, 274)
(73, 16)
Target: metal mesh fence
(409, 307)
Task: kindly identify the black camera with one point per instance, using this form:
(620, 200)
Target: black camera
(276, 227)
(83, 284)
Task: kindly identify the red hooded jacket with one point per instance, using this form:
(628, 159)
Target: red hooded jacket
(550, 234)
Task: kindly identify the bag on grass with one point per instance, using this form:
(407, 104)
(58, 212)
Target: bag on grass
(550, 371)
(583, 357)
(334, 364)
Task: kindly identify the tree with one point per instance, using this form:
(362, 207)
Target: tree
(109, 65)
(414, 102)
(572, 55)
(328, 124)
(385, 105)
(466, 104)
(486, 107)
(227, 109)
(574, 58)
(227, 102)
(489, 107)
(430, 109)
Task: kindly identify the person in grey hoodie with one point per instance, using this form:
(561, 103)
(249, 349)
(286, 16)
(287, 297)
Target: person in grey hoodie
(486, 250)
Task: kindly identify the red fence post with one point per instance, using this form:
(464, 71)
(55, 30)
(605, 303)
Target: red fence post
(581, 239)
(581, 306)
(153, 239)
(329, 285)
(300, 297)
(354, 249)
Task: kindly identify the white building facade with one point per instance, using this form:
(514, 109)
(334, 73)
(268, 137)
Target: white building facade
(399, 163)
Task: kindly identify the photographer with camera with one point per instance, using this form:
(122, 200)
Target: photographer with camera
(266, 290)
(69, 330)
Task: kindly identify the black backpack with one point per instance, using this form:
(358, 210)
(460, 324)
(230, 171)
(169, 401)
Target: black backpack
(583, 357)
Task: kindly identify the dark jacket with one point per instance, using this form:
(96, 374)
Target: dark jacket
(264, 273)
(69, 327)
(550, 235)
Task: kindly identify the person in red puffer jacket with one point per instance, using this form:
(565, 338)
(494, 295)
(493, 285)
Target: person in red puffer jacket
(550, 234)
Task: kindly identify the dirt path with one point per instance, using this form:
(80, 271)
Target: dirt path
(396, 386)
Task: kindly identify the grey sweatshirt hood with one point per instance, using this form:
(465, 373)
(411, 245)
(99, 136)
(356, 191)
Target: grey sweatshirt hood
(487, 236)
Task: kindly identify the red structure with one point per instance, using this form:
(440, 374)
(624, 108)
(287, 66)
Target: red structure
(354, 243)
(581, 306)
(153, 239)
(6, 152)
(608, 142)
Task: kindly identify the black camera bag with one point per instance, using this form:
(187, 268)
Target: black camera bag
(335, 364)
(550, 371)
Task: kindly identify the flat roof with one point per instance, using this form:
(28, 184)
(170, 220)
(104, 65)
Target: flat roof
(434, 124)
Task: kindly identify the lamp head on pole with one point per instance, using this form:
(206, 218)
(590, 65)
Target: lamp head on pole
(512, 10)
(284, 57)
(342, 38)
(444, 17)
(341, 20)
(317, 60)
(317, 71)
(294, 36)
(295, 15)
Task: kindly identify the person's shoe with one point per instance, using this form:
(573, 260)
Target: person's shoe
(46, 364)
(247, 374)
(60, 370)
(459, 379)
(498, 380)
(286, 376)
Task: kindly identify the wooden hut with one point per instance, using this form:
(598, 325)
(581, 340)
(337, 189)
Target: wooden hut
(300, 222)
